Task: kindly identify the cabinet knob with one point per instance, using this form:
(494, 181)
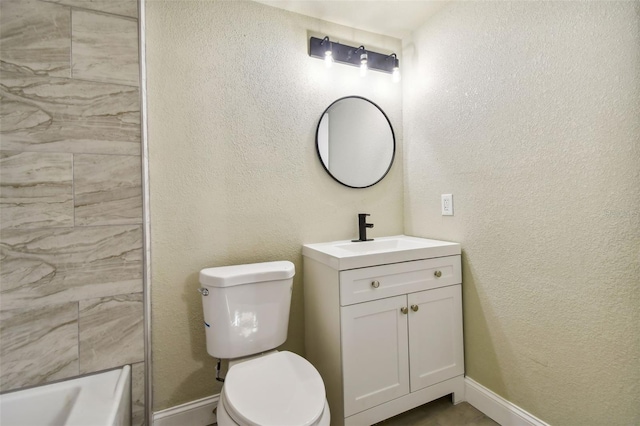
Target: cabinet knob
(404, 310)
(438, 274)
(375, 284)
(415, 308)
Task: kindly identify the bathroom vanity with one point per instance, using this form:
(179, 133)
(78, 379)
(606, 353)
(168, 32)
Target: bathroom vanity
(383, 324)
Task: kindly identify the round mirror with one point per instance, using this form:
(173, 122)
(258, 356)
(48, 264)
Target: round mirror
(355, 142)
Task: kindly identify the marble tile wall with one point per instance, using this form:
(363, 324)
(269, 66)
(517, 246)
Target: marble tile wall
(71, 248)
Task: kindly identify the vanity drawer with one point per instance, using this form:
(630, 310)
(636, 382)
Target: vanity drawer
(377, 282)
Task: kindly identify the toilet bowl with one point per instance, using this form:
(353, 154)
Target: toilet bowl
(280, 388)
(246, 316)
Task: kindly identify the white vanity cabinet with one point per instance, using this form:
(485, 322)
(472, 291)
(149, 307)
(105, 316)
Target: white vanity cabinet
(385, 338)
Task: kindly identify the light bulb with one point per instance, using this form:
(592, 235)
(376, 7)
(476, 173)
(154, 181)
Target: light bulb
(396, 74)
(363, 69)
(363, 64)
(328, 59)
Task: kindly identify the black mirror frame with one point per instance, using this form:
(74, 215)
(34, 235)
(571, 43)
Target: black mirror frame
(393, 136)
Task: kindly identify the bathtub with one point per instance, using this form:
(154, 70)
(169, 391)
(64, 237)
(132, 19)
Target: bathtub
(102, 399)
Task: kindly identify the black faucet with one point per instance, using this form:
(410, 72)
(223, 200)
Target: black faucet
(362, 228)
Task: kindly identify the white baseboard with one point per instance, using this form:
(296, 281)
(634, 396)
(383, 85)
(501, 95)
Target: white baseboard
(498, 408)
(200, 412)
(194, 413)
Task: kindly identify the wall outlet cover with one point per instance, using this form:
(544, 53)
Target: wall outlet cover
(447, 205)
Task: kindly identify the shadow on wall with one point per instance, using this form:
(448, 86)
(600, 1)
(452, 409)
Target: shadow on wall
(193, 300)
(476, 328)
(483, 333)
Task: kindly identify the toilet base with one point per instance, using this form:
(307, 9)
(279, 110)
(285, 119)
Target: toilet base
(224, 419)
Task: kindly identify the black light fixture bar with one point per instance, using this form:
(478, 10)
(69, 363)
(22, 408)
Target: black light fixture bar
(350, 55)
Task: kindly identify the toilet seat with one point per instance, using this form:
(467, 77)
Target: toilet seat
(279, 389)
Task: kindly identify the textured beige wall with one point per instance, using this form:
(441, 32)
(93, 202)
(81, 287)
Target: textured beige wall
(234, 101)
(529, 113)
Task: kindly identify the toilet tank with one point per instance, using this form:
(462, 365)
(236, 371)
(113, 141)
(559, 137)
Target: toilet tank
(246, 307)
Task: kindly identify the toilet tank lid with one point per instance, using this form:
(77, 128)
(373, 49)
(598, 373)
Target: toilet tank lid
(227, 276)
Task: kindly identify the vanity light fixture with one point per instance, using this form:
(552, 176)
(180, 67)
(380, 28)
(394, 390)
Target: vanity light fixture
(323, 48)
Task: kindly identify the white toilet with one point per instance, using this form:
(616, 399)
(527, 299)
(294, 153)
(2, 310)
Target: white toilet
(246, 315)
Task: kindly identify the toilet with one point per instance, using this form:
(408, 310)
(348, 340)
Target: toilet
(246, 316)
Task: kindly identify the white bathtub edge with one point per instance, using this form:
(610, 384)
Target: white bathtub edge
(121, 414)
(108, 392)
(92, 399)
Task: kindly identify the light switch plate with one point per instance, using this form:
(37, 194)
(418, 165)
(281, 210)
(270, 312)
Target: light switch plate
(447, 205)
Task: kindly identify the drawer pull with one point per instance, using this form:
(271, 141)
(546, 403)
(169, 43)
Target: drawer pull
(404, 310)
(415, 308)
(437, 274)
(375, 284)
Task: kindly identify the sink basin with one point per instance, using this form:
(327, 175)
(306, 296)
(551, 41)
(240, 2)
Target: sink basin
(380, 245)
(346, 254)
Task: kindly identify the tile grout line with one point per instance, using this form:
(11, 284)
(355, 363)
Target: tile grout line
(73, 187)
(85, 9)
(102, 12)
(78, 308)
(67, 152)
(73, 228)
(70, 43)
(110, 82)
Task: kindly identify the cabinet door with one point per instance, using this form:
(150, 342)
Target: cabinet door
(375, 358)
(435, 336)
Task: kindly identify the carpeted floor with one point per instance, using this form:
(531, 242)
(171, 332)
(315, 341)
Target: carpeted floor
(441, 412)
